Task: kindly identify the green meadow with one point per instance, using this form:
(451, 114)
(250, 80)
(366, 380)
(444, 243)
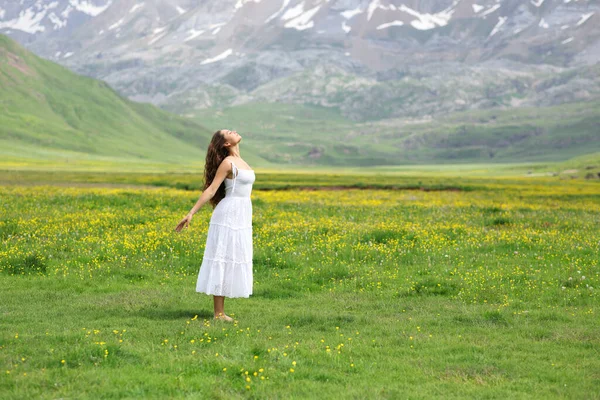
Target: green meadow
(373, 284)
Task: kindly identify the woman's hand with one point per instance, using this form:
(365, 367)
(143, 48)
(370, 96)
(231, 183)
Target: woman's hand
(184, 223)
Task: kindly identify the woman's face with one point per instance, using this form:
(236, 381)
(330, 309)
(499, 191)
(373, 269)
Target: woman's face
(231, 137)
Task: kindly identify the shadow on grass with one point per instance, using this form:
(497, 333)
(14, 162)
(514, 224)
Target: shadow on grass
(162, 314)
(276, 293)
(32, 264)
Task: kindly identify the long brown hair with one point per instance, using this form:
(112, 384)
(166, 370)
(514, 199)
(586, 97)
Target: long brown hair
(215, 155)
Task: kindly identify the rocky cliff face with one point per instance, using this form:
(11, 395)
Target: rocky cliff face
(372, 59)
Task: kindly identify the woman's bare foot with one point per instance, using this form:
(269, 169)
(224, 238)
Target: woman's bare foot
(223, 317)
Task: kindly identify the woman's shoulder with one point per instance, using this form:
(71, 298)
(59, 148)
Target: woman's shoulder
(231, 161)
(228, 160)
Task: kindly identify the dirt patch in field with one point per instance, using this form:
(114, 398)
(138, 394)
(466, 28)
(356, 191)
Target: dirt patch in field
(266, 189)
(370, 187)
(81, 185)
(16, 62)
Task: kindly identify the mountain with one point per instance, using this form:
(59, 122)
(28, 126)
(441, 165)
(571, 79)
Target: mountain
(369, 59)
(48, 112)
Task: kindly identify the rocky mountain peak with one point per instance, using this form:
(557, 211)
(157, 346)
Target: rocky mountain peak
(190, 53)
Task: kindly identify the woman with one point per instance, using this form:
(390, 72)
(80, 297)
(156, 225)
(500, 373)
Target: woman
(226, 269)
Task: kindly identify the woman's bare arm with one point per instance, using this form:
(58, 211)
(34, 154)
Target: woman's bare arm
(207, 194)
(210, 191)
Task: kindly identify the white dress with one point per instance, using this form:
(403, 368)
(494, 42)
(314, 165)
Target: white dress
(226, 268)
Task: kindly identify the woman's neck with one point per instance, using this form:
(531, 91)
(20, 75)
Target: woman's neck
(234, 151)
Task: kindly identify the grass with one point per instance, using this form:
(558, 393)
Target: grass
(483, 293)
(457, 177)
(586, 166)
(312, 135)
(49, 113)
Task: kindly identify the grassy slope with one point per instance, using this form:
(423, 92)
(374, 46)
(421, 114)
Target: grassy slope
(290, 133)
(586, 166)
(541, 134)
(287, 133)
(48, 112)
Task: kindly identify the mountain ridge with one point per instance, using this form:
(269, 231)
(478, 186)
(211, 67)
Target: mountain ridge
(183, 55)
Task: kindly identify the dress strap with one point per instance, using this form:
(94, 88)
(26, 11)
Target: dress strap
(234, 172)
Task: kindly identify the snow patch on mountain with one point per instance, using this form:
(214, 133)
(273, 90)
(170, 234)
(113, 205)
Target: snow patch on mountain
(67, 11)
(300, 19)
(58, 23)
(374, 5)
(276, 14)
(136, 7)
(501, 21)
(220, 57)
(241, 3)
(348, 14)
(293, 12)
(490, 10)
(584, 18)
(157, 38)
(28, 21)
(193, 34)
(428, 21)
(89, 8)
(116, 24)
(387, 25)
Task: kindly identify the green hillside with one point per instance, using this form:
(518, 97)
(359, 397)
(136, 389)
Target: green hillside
(586, 166)
(49, 113)
(302, 134)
